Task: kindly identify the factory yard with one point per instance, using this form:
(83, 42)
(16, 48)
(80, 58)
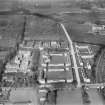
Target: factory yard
(57, 66)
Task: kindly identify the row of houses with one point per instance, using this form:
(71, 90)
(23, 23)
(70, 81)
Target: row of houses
(98, 29)
(45, 44)
(85, 56)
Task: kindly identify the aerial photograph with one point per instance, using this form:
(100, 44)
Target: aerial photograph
(52, 52)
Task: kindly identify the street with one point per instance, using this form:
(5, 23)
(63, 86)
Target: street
(73, 54)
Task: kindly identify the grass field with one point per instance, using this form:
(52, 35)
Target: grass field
(23, 95)
(74, 97)
(43, 29)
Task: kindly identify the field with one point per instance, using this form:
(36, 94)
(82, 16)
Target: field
(73, 22)
(11, 28)
(23, 95)
(68, 97)
(43, 29)
(78, 33)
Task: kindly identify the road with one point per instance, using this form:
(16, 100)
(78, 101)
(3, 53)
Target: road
(72, 53)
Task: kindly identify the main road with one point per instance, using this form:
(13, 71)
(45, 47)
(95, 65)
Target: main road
(72, 53)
